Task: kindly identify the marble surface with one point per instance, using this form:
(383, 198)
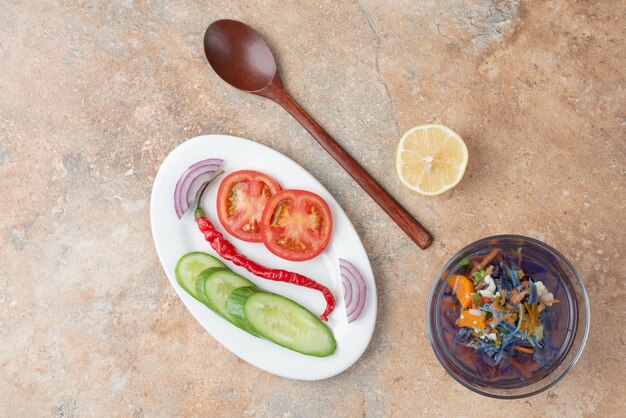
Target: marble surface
(94, 94)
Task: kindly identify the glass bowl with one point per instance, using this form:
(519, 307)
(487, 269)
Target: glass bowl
(566, 335)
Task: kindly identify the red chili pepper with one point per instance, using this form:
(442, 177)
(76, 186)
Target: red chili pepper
(227, 251)
(486, 300)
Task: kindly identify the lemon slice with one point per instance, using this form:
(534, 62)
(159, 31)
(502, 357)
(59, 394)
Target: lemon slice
(431, 159)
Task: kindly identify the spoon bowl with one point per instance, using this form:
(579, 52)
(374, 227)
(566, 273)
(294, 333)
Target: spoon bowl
(239, 55)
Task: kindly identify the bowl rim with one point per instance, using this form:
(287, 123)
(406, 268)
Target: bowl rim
(585, 298)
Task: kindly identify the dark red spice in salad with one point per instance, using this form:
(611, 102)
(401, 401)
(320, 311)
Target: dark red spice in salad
(228, 251)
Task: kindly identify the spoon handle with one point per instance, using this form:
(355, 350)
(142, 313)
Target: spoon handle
(400, 215)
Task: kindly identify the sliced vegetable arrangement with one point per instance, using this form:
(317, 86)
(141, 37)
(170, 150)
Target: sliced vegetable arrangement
(262, 314)
(504, 311)
(228, 251)
(293, 224)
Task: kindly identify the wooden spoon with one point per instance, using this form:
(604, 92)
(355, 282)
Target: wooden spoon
(241, 57)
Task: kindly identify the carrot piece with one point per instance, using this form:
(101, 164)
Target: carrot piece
(517, 297)
(463, 288)
(524, 350)
(472, 321)
(492, 254)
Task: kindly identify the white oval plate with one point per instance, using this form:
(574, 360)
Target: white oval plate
(174, 238)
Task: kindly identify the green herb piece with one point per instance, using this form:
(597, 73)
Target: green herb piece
(477, 301)
(465, 262)
(478, 276)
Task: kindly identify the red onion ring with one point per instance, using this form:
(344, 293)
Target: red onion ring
(191, 182)
(347, 289)
(355, 289)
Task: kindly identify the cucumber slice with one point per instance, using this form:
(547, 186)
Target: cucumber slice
(234, 306)
(218, 287)
(201, 280)
(190, 265)
(289, 324)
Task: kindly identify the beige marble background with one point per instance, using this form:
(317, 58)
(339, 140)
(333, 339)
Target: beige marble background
(94, 94)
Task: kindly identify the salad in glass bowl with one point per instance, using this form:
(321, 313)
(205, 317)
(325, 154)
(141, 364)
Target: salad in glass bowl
(508, 316)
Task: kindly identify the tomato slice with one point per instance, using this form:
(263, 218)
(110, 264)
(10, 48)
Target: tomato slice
(296, 225)
(241, 198)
